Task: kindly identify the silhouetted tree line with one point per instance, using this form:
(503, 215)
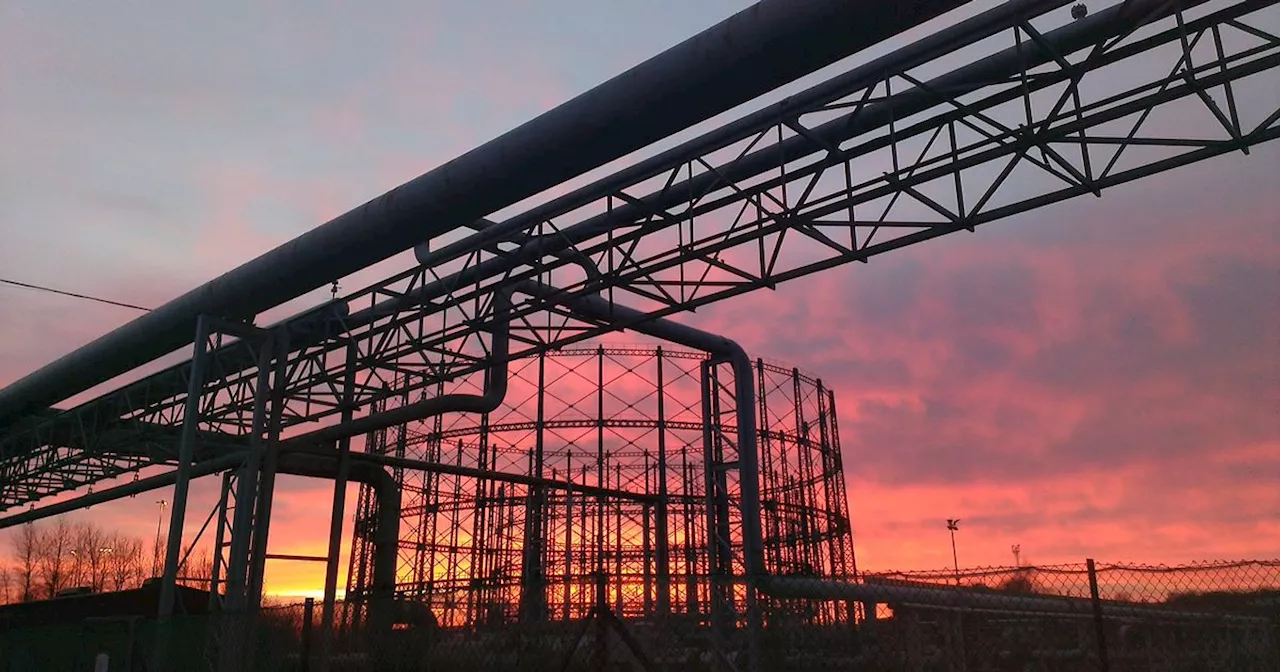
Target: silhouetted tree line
(51, 558)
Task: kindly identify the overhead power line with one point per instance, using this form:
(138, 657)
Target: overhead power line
(73, 295)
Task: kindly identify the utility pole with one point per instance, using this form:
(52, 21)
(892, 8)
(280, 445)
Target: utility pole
(1017, 554)
(953, 524)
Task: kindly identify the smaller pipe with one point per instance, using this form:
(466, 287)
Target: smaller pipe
(422, 251)
(387, 534)
(598, 308)
(495, 390)
(472, 472)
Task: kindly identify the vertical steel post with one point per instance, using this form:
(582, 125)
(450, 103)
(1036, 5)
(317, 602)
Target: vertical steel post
(716, 504)
(308, 615)
(219, 537)
(584, 559)
(647, 568)
(186, 454)
(838, 467)
(617, 539)
(749, 491)
(247, 488)
(235, 649)
(568, 539)
(691, 607)
(600, 475)
(337, 517)
(267, 476)
(1098, 623)
(663, 537)
(181, 486)
(533, 589)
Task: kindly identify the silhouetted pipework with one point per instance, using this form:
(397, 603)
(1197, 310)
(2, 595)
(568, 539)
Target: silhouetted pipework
(485, 552)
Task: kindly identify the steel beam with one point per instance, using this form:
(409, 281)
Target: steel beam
(182, 484)
(121, 491)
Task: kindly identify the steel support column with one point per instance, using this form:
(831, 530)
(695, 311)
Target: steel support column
(337, 513)
(267, 476)
(719, 527)
(219, 538)
(533, 588)
(181, 487)
(661, 533)
(186, 453)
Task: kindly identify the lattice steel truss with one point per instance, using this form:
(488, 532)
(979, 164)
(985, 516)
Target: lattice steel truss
(893, 152)
(643, 422)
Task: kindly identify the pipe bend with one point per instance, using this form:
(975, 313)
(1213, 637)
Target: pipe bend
(387, 533)
(529, 247)
(495, 391)
(598, 308)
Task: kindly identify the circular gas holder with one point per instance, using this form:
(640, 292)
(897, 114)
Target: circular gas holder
(630, 422)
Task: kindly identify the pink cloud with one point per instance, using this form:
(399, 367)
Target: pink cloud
(1110, 394)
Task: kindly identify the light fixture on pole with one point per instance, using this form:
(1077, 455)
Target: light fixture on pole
(1017, 554)
(953, 524)
(155, 551)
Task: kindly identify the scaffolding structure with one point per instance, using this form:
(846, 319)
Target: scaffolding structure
(630, 420)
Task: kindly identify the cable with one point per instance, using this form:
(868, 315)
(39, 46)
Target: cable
(109, 302)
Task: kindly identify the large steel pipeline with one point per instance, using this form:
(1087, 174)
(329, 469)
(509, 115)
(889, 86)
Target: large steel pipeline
(1066, 39)
(1099, 24)
(755, 51)
(924, 50)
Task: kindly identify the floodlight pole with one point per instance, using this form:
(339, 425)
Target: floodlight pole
(953, 524)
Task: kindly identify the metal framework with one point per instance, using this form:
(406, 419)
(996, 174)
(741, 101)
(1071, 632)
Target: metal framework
(893, 152)
(642, 422)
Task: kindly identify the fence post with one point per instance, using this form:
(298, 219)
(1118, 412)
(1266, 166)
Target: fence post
(308, 611)
(1097, 617)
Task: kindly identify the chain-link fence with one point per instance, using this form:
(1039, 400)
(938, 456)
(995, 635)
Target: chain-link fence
(1209, 616)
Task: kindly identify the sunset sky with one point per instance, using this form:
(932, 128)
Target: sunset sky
(1096, 379)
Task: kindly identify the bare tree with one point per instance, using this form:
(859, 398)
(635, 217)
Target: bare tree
(75, 569)
(92, 547)
(6, 595)
(27, 553)
(197, 572)
(124, 562)
(54, 557)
